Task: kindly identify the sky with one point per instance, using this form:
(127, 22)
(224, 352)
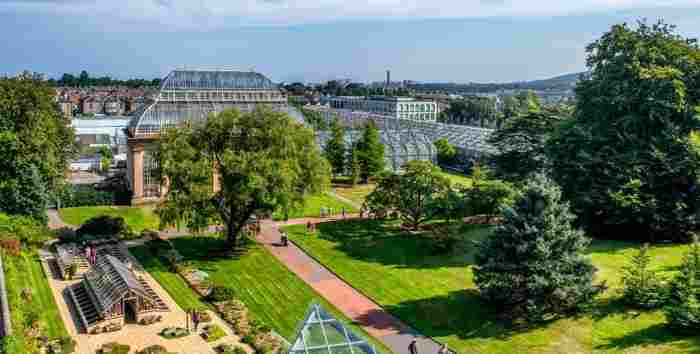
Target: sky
(317, 40)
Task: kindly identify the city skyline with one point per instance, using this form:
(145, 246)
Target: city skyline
(500, 42)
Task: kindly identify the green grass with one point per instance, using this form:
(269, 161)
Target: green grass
(175, 285)
(456, 179)
(437, 296)
(356, 193)
(139, 218)
(273, 294)
(312, 207)
(26, 272)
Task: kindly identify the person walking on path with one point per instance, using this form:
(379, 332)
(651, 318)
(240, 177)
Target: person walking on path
(443, 349)
(413, 347)
(195, 319)
(342, 211)
(284, 239)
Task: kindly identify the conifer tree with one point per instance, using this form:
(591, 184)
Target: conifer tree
(370, 152)
(335, 149)
(683, 310)
(354, 168)
(534, 265)
(642, 286)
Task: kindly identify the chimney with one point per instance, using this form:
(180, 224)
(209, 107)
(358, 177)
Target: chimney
(388, 78)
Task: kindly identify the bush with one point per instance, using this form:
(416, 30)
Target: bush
(11, 245)
(115, 348)
(104, 226)
(84, 195)
(65, 234)
(487, 197)
(641, 286)
(212, 333)
(67, 345)
(445, 239)
(230, 349)
(174, 332)
(150, 235)
(683, 310)
(153, 349)
(220, 293)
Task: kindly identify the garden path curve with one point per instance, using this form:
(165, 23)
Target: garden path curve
(393, 333)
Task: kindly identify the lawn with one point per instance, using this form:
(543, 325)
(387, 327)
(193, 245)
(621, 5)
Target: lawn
(26, 272)
(356, 193)
(456, 179)
(312, 207)
(436, 294)
(139, 218)
(272, 293)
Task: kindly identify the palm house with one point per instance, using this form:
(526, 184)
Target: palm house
(190, 96)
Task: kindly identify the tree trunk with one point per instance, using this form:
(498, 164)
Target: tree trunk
(231, 234)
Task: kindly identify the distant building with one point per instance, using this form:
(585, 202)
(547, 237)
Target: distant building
(399, 107)
(66, 108)
(92, 105)
(113, 106)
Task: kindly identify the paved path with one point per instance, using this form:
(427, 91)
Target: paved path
(371, 317)
(55, 221)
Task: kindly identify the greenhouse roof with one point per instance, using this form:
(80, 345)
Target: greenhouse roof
(321, 333)
(216, 80)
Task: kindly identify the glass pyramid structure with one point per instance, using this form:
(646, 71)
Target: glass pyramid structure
(321, 333)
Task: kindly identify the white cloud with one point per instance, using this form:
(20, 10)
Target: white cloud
(208, 14)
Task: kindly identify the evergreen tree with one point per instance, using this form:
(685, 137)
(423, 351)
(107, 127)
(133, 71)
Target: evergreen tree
(534, 265)
(642, 287)
(335, 149)
(354, 168)
(370, 152)
(683, 310)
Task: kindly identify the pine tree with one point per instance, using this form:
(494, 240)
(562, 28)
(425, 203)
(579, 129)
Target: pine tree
(534, 265)
(683, 311)
(370, 152)
(335, 149)
(642, 286)
(354, 168)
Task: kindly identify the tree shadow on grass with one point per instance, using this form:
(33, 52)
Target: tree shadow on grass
(207, 248)
(459, 313)
(658, 334)
(384, 242)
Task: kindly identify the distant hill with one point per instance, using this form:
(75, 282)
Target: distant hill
(558, 84)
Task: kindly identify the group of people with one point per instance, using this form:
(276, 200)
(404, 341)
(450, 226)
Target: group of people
(413, 348)
(194, 316)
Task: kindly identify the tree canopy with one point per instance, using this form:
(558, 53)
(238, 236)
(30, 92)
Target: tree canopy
(626, 161)
(416, 193)
(264, 159)
(335, 150)
(35, 145)
(369, 152)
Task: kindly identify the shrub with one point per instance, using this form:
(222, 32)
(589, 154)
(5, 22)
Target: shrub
(104, 226)
(153, 349)
(174, 332)
(248, 339)
(445, 238)
(150, 235)
(212, 333)
(158, 245)
(641, 286)
(230, 349)
(115, 348)
(683, 310)
(11, 245)
(486, 197)
(84, 195)
(221, 293)
(65, 234)
(66, 345)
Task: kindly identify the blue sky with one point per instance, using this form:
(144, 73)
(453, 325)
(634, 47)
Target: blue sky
(315, 40)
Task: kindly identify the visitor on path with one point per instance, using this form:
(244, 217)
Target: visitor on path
(443, 349)
(413, 347)
(342, 211)
(309, 227)
(195, 319)
(284, 239)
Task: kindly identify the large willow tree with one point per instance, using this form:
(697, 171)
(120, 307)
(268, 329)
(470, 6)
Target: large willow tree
(627, 162)
(265, 161)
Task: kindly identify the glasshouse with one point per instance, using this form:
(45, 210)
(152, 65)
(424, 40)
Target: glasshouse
(190, 96)
(407, 140)
(322, 333)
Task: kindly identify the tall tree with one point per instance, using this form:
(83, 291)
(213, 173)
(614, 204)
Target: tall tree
(445, 151)
(534, 265)
(417, 193)
(35, 145)
(335, 149)
(626, 161)
(369, 152)
(265, 161)
(520, 144)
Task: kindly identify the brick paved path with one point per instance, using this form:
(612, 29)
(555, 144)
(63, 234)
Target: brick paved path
(371, 317)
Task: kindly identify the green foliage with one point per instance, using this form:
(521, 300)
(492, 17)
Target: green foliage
(354, 168)
(642, 287)
(105, 225)
(221, 293)
(115, 348)
(445, 238)
(534, 265)
(35, 145)
(265, 161)
(683, 310)
(213, 333)
(369, 152)
(475, 111)
(335, 149)
(626, 162)
(486, 197)
(313, 118)
(445, 151)
(23, 228)
(77, 195)
(520, 145)
(416, 193)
